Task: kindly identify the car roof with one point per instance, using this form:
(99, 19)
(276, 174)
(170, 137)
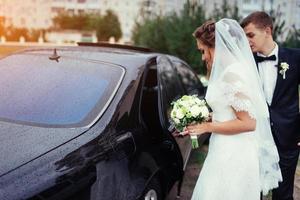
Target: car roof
(129, 58)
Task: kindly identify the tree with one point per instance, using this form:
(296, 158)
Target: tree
(14, 34)
(235, 12)
(105, 26)
(72, 21)
(61, 21)
(179, 30)
(151, 34)
(34, 35)
(278, 23)
(2, 26)
(108, 26)
(172, 34)
(293, 38)
(226, 11)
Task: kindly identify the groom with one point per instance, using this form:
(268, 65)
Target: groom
(279, 69)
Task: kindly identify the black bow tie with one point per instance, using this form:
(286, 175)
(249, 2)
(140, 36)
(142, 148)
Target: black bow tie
(262, 59)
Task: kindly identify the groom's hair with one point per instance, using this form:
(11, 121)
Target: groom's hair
(260, 19)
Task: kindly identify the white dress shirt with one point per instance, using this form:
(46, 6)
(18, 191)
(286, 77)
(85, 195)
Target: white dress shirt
(268, 74)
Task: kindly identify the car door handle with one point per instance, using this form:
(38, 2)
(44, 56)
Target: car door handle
(125, 142)
(124, 137)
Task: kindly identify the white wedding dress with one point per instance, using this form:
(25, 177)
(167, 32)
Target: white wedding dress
(242, 165)
(231, 168)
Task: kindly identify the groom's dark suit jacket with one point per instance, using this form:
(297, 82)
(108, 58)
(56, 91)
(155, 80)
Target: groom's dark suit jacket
(284, 109)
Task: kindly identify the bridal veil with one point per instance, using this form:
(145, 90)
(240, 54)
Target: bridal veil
(235, 69)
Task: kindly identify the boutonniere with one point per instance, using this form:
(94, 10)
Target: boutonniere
(284, 67)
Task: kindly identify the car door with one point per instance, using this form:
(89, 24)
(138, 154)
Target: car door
(192, 86)
(170, 88)
(189, 79)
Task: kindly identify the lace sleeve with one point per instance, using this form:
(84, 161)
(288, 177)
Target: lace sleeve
(236, 93)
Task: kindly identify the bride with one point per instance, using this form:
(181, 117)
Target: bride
(242, 159)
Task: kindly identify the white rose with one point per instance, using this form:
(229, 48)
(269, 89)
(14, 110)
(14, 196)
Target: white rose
(192, 102)
(185, 104)
(284, 65)
(177, 121)
(204, 111)
(199, 102)
(179, 114)
(185, 97)
(173, 113)
(195, 110)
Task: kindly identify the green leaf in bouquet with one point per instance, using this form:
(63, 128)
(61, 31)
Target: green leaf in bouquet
(189, 115)
(179, 128)
(184, 110)
(185, 97)
(190, 120)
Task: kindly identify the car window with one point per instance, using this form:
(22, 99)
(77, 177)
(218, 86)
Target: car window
(40, 91)
(191, 82)
(170, 87)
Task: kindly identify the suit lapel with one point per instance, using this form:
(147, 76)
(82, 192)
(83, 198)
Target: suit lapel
(279, 81)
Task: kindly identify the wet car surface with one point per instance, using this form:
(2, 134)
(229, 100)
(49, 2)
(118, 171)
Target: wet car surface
(91, 122)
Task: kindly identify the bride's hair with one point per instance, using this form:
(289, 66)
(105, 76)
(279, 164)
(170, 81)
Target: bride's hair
(259, 18)
(206, 33)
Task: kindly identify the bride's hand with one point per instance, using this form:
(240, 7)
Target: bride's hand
(184, 132)
(197, 129)
(176, 133)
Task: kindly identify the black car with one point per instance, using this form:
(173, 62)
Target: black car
(91, 122)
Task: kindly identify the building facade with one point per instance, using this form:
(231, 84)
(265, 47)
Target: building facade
(130, 11)
(288, 10)
(38, 14)
(30, 13)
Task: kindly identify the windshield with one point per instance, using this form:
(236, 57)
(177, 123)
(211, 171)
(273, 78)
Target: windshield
(40, 91)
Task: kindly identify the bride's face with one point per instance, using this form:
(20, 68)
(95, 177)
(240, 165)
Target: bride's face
(207, 54)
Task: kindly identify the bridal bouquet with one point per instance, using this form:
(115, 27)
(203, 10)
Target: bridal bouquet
(188, 110)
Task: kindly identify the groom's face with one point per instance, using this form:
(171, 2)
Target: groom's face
(256, 37)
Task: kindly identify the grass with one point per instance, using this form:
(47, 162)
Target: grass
(199, 156)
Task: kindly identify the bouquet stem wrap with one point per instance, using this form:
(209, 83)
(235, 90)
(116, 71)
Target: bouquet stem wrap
(194, 140)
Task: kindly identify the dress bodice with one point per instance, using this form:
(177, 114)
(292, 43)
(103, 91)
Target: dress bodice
(215, 99)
